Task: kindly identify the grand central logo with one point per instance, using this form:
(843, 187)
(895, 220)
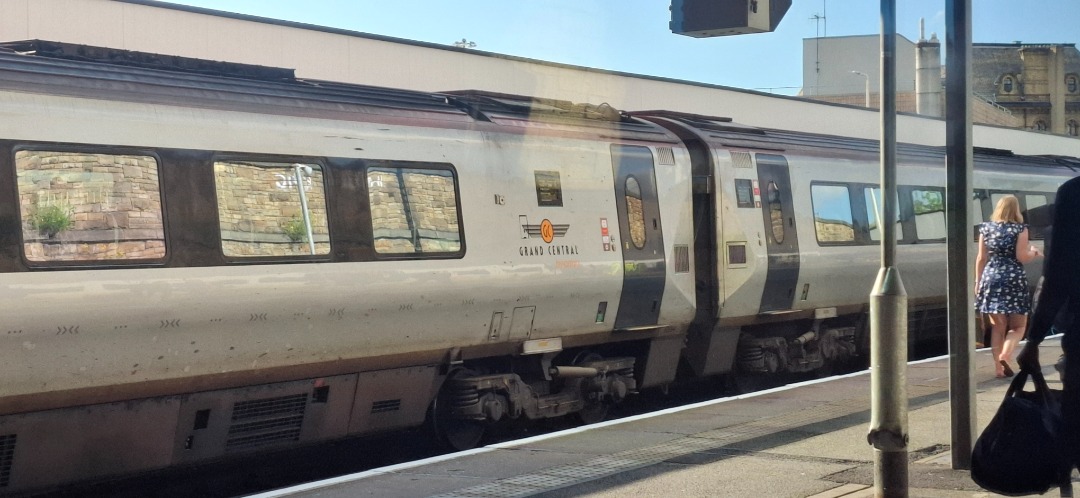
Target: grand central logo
(546, 231)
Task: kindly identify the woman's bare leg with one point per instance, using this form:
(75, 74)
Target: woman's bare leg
(1017, 326)
(998, 327)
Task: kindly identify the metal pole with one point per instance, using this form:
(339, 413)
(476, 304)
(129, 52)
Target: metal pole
(958, 166)
(298, 170)
(888, 301)
(866, 86)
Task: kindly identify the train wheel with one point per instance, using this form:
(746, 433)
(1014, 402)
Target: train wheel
(453, 433)
(596, 410)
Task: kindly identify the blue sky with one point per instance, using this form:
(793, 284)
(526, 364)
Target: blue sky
(633, 35)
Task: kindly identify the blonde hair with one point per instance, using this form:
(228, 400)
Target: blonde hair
(1008, 209)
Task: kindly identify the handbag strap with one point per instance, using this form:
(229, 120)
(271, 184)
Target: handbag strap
(1041, 388)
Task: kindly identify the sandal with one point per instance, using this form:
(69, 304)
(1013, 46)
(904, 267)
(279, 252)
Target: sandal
(1008, 370)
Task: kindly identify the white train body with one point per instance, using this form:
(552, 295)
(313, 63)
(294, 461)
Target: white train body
(553, 258)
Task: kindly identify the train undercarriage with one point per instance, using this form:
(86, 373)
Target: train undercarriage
(585, 385)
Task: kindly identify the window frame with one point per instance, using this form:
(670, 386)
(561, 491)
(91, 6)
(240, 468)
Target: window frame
(367, 165)
(326, 171)
(112, 150)
(865, 221)
(914, 216)
(853, 218)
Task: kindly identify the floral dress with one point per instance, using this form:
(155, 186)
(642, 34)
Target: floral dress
(1003, 287)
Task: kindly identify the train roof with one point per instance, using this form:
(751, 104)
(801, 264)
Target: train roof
(95, 72)
(724, 131)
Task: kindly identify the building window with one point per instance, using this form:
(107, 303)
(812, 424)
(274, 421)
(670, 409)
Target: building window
(1007, 84)
(87, 206)
(1040, 125)
(1072, 83)
(1073, 127)
(261, 211)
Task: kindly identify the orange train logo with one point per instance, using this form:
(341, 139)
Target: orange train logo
(546, 230)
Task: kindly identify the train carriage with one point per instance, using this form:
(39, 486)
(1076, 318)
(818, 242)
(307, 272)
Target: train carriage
(196, 265)
(200, 259)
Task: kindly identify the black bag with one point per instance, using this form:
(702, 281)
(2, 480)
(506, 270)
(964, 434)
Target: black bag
(1022, 450)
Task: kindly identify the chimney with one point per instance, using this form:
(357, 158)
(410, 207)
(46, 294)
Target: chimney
(928, 91)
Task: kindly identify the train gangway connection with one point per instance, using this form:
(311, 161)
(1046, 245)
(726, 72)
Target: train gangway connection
(800, 440)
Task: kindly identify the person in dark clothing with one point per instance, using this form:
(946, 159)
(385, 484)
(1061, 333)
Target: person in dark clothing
(1061, 289)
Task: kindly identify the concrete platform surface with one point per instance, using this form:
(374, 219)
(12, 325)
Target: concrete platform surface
(801, 440)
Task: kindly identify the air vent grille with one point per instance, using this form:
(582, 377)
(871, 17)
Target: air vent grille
(664, 155)
(386, 405)
(682, 259)
(741, 160)
(266, 421)
(7, 457)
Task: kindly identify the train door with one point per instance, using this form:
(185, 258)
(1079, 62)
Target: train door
(781, 239)
(640, 237)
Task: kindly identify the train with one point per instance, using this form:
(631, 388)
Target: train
(201, 260)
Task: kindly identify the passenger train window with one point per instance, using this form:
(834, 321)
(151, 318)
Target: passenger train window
(84, 206)
(1037, 215)
(832, 214)
(875, 206)
(776, 214)
(261, 209)
(634, 212)
(414, 211)
(929, 214)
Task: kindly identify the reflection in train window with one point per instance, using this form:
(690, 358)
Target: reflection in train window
(414, 211)
(261, 209)
(634, 212)
(929, 214)
(874, 207)
(79, 206)
(1037, 215)
(832, 214)
(776, 215)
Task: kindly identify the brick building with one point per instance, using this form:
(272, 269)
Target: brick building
(1018, 85)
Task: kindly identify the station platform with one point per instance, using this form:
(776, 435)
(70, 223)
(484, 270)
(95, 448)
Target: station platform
(800, 440)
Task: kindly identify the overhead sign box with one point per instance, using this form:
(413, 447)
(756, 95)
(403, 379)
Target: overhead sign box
(707, 18)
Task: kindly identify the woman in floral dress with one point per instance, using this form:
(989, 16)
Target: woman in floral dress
(1001, 284)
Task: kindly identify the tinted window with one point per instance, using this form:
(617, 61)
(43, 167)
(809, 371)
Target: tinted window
(634, 212)
(1037, 215)
(261, 209)
(874, 208)
(929, 208)
(414, 211)
(832, 213)
(79, 206)
(776, 215)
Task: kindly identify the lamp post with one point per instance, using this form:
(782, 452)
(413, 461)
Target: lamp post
(866, 85)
